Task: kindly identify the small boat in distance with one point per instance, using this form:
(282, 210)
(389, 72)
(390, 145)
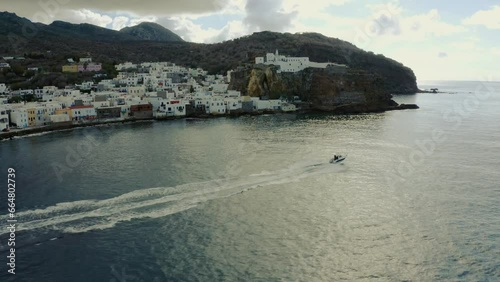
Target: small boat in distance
(337, 159)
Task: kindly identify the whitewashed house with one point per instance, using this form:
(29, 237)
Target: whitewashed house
(233, 94)
(287, 107)
(219, 88)
(51, 108)
(216, 107)
(83, 113)
(292, 64)
(275, 105)
(136, 91)
(171, 108)
(4, 89)
(106, 84)
(125, 66)
(233, 104)
(4, 118)
(101, 104)
(85, 60)
(19, 117)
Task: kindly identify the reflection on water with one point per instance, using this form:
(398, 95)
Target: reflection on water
(254, 198)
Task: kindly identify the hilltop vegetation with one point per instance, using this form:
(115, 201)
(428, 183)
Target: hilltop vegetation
(60, 40)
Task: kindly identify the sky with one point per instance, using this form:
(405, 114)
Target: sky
(438, 39)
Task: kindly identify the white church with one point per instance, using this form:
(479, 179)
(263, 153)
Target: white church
(292, 64)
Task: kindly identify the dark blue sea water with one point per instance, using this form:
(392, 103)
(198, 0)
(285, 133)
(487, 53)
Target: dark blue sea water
(254, 199)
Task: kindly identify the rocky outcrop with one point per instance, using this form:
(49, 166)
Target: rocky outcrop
(320, 89)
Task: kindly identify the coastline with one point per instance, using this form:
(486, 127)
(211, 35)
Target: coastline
(74, 125)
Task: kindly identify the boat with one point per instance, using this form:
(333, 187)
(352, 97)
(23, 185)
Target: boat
(337, 159)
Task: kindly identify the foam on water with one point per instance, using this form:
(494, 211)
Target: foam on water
(87, 215)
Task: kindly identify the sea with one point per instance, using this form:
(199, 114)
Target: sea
(254, 198)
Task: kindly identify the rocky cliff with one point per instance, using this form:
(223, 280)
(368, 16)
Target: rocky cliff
(320, 89)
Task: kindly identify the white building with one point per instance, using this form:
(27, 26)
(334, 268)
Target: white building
(19, 117)
(106, 84)
(125, 66)
(291, 64)
(85, 60)
(83, 112)
(170, 108)
(287, 107)
(136, 90)
(3, 89)
(4, 118)
(101, 104)
(216, 107)
(261, 105)
(233, 104)
(219, 87)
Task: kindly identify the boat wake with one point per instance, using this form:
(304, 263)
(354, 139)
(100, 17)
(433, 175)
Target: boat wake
(88, 215)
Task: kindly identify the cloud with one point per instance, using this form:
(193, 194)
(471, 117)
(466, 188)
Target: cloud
(87, 16)
(431, 24)
(488, 18)
(386, 23)
(28, 8)
(267, 15)
(120, 22)
(442, 55)
(189, 31)
(138, 20)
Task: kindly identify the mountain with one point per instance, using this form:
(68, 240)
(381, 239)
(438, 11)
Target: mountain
(53, 43)
(151, 31)
(10, 24)
(86, 32)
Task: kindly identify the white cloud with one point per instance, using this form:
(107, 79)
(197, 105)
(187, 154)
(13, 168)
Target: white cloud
(431, 24)
(424, 41)
(138, 20)
(495, 51)
(268, 15)
(87, 16)
(488, 18)
(396, 28)
(188, 30)
(28, 8)
(120, 22)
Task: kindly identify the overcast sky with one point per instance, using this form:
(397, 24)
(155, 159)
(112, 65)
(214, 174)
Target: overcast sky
(438, 39)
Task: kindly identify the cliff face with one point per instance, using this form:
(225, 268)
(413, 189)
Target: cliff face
(320, 89)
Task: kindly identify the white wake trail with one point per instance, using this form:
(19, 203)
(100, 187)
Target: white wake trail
(86, 215)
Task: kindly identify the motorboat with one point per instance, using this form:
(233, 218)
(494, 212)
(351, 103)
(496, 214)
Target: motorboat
(337, 159)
